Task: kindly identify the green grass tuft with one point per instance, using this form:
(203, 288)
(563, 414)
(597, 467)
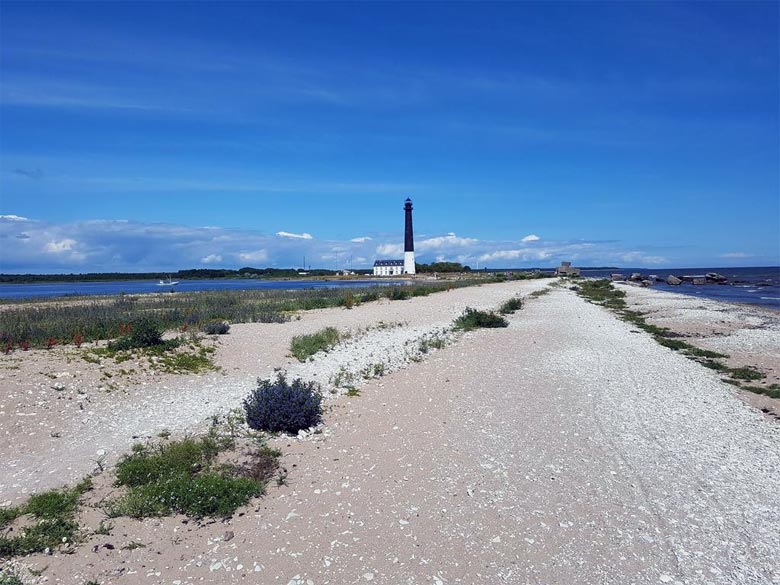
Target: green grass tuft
(54, 511)
(510, 306)
(181, 476)
(474, 319)
(305, 346)
(746, 373)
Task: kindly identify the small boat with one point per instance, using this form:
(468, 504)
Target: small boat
(168, 282)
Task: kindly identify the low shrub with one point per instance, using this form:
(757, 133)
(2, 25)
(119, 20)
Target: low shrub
(181, 476)
(398, 294)
(474, 319)
(215, 328)
(9, 577)
(142, 333)
(773, 390)
(151, 463)
(511, 306)
(348, 300)
(305, 346)
(746, 373)
(281, 407)
(54, 512)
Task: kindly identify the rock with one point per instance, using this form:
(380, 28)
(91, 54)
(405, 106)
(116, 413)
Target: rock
(673, 280)
(228, 535)
(59, 386)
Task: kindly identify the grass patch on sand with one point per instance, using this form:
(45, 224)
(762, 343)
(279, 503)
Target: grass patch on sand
(9, 577)
(305, 346)
(184, 477)
(54, 514)
(474, 319)
(510, 306)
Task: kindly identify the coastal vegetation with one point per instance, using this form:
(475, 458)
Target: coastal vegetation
(603, 292)
(305, 346)
(47, 323)
(281, 407)
(510, 306)
(185, 477)
(53, 515)
(474, 319)
(215, 328)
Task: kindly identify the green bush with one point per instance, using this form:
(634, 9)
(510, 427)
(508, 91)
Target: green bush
(181, 476)
(398, 294)
(281, 407)
(746, 373)
(54, 512)
(511, 306)
(215, 328)
(143, 333)
(474, 319)
(150, 464)
(9, 577)
(305, 346)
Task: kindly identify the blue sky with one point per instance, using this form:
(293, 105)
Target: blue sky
(157, 136)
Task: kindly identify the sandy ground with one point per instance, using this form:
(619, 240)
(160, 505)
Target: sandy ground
(564, 449)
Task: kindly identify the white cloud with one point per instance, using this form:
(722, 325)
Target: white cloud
(256, 256)
(303, 236)
(130, 246)
(736, 255)
(640, 258)
(390, 250)
(530, 238)
(448, 241)
(60, 246)
(14, 218)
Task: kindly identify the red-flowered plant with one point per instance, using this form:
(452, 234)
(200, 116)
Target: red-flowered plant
(25, 345)
(51, 342)
(78, 339)
(8, 347)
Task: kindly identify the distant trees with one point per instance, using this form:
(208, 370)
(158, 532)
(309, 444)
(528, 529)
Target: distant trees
(442, 267)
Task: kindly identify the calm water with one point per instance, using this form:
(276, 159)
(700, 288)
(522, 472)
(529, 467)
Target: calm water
(61, 289)
(755, 286)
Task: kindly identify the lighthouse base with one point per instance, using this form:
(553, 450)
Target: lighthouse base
(409, 263)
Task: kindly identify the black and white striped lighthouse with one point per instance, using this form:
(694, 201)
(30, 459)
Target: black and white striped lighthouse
(408, 240)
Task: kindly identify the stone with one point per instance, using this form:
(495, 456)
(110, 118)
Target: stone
(673, 280)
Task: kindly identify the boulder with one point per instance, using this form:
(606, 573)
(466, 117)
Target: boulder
(673, 280)
(715, 277)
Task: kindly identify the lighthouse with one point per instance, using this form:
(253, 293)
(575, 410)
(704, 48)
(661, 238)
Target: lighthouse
(408, 240)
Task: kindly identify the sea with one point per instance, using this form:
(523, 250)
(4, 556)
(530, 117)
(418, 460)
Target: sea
(74, 289)
(754, 286)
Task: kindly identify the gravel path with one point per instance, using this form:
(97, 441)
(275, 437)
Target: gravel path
(567, 448)
(564, 449)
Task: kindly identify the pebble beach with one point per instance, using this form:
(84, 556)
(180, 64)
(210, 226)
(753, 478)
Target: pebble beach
(569, 447)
